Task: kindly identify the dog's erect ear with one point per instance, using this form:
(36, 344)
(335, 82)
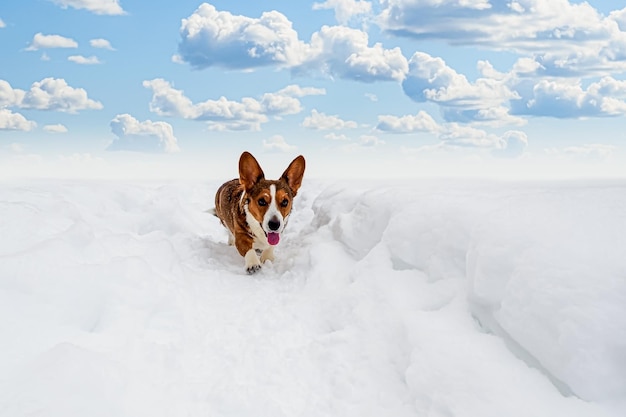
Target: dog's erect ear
(294, 173)
(250, 171)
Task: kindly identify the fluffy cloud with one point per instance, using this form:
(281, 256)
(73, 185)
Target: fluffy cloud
(345, 52)
(321, 121)
(569, 100)
(458, 135)
(285, 101)
(498, 99)
(101, 43)
(2, 24)
(146, 136)
(521, 25)
(421, 122)
(106, 7)
(41, 41)
(217, 38)
(512, 144)
(55, 94)
(14, 121)
(83, 60)
(567, 38)
(224, 114)
(345, 9)
(9, 96)
(48, 94)
(430, 80)
(277, 143)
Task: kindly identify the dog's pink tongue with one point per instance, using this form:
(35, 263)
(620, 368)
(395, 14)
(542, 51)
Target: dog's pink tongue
(273, 238)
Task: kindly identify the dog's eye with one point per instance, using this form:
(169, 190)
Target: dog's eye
(284, 203)
(262, 202)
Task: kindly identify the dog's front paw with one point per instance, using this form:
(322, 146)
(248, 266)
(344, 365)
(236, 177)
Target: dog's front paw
(252, 262)
(252, 269)
(267, 255)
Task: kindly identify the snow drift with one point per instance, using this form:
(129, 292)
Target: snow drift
(431, 298)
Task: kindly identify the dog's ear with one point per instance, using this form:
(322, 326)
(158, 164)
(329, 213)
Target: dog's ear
(250, 171)
(294, 173)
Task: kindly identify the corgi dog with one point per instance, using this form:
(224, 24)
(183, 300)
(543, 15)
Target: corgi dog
(255, 210)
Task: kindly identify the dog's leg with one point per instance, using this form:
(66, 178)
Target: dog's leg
(268, 255)
(231, 238)
(252, 262)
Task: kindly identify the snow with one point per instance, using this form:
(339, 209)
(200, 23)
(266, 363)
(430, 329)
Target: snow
(426, 298)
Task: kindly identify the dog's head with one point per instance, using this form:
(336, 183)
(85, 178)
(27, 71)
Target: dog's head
(269, 202)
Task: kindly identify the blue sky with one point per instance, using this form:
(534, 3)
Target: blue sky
(362, 89)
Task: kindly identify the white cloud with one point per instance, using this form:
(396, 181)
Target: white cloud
(284, 102)
(619, 17)
(224, 114)
(524, 25)
(421, 122)
(211, 37)
(345, 9)
(458, 135)
(15, 121)
(295, 90)
(105, 7)
(146, 136)
(217, 38)
(344, 52)
(567, 38)
(497, 99)
(57, 128)
(101, 43)
(563, 99)
(82, 60)
(430, 80)
(364, 142)
(41, 41)
(55, 94)
(47, 94)
(321, 121)
(2, 24)
(277, 143)
(512, 144)
(10, 97)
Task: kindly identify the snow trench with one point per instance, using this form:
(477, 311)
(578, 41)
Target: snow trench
(434, 298)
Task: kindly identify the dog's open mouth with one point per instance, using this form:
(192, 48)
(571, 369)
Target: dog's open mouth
(273, 238)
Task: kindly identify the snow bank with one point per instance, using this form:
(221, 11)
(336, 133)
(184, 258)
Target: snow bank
(545, 264)
(433, 298)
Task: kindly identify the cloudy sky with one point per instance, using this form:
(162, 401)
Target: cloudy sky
(361, 88)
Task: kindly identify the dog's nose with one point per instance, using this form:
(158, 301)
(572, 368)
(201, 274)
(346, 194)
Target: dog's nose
(273, 224)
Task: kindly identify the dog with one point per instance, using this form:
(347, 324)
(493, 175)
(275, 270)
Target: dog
(255, 211)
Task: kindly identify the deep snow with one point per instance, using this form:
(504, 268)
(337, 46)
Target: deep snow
(432, 298)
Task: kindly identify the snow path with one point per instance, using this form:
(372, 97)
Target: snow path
(125, 300)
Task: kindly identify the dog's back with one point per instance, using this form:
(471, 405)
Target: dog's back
(227, 207)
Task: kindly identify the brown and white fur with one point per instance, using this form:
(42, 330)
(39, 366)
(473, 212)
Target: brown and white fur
(255, 210)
